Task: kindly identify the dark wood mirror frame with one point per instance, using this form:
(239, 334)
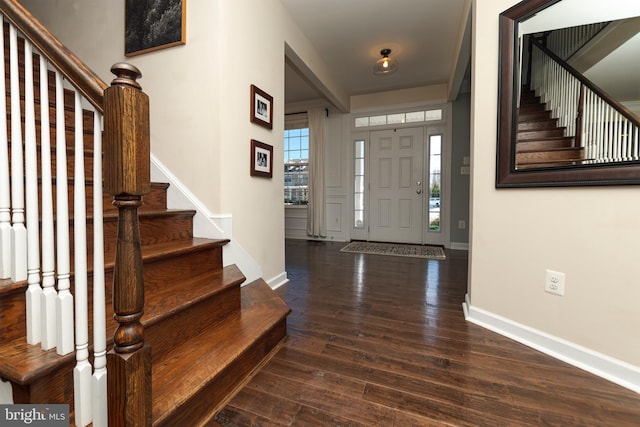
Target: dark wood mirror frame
(559, 176)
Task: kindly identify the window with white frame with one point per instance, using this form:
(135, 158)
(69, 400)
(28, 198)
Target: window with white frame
(296, 166)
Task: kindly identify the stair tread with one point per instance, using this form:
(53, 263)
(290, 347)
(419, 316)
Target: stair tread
(150, 213)
(149, 253)
(550, 163)
(23, 363)
(165, 302)
(546, 138)
(554, 149)
(202, 362)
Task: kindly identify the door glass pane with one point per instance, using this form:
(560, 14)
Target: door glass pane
(358, 190)
(435, 166)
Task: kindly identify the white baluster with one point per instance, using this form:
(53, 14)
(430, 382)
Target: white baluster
(64, 302)
(82, 372)
(49, 294)
(5, 199)
(34, 291)
(636, 143)
(100, 414)
(18, 231)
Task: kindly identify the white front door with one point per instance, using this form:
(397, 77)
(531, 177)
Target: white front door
(397, 190)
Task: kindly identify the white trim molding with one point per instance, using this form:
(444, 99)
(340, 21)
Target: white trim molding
(599, 364)
(209, 225)
(6, 392)
(459, 246)
(279, 280)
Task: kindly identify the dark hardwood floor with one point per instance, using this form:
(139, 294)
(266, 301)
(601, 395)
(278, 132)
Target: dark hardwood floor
(382, 341)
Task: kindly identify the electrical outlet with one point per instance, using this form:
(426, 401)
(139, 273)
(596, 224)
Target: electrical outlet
(554, 283)
(462, 225)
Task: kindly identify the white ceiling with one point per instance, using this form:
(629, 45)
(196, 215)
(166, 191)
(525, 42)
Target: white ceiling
(349, 34)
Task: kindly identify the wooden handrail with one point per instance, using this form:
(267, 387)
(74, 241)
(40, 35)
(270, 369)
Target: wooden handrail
(74, 70)
(616, 105)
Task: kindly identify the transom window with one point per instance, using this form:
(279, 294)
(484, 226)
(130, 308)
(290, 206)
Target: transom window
(399, 118)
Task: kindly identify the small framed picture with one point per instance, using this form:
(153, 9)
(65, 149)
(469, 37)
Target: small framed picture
(261, 159)
(261, 108)
(151, 25)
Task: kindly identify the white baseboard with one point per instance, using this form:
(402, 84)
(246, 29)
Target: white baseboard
(279, 280)
(459, 246)
(6, 393)
(599, 364)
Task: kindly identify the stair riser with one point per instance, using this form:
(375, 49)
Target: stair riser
(156, 274)
(69, 114)
(87, 138)
(165, 336)
(176, 268)
(12, 315)
(154, 229)
(538, 124)
(210, 398)
(154, 201)
(543, 145)
(544, 133)
(534, 116)
(550, 156)
(88, 164)
(54, 388)
(532, 108)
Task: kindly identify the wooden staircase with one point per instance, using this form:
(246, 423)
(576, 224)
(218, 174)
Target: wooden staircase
(207, 332)
(540, 141)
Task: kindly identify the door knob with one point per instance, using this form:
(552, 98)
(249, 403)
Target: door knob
(419, 191)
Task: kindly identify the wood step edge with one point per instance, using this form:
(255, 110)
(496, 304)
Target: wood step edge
(552, 129)
(41, 362)
(550, 150)
(150, 253)
(559, 162)
(548, 138)
(111, 215)
(261, 310)
(218, 281)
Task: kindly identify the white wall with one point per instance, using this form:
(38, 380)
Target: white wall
(591, 234)
(199, 95)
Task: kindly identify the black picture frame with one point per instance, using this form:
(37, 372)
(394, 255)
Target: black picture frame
(150, 25)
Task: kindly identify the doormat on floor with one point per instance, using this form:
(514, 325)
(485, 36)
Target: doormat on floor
(395, 249)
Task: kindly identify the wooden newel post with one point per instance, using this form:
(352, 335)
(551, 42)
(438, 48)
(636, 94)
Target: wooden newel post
(127, 178)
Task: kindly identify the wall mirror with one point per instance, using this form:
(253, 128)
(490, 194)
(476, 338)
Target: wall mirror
(569, 93)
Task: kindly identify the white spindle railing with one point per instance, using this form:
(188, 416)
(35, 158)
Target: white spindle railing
(557, 88)
(606, 133)
(82, 371)
(608, 136)
(48, 305)
(100, 414)
(40, 253)
(567, 41)
(64, 301)
(18, 230)
(34, 291)
(5, 198)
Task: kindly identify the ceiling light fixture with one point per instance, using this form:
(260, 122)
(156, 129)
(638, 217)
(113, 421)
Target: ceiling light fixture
(385, 65)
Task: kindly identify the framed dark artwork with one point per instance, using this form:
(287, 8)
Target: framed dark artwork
(261, 108)
(556, 126)
(153, 24)
(261, 159)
